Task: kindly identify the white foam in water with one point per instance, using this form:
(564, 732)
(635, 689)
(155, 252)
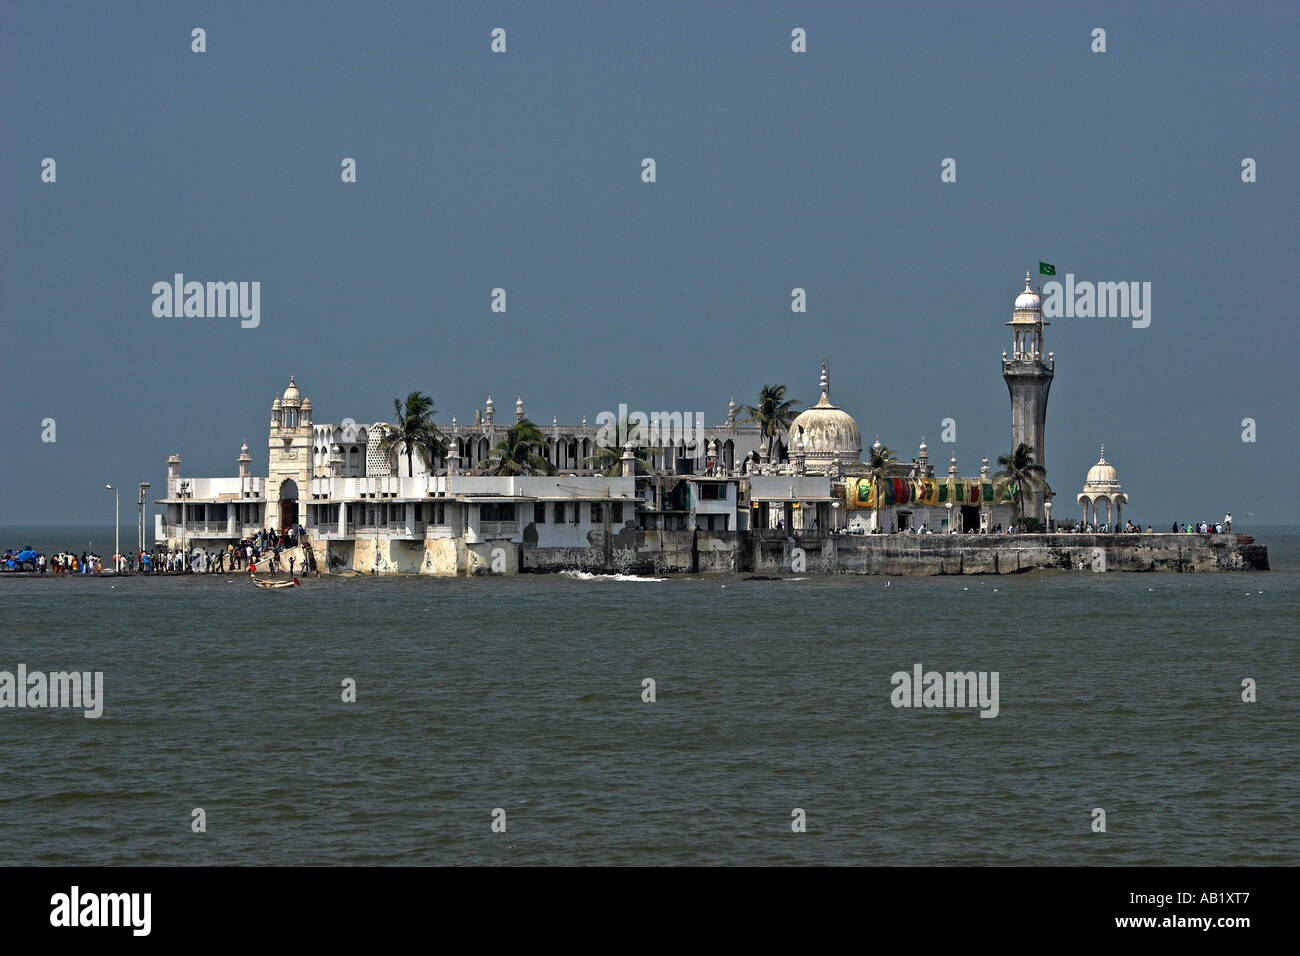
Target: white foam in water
(584, 576)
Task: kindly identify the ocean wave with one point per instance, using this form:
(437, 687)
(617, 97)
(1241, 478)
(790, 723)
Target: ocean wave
(584, 576)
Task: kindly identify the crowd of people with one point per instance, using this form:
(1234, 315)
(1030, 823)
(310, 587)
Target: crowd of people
(263, 551)
(67, 562)
(1205, 527)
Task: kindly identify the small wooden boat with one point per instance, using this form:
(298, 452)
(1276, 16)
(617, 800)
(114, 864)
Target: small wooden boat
(275, 584)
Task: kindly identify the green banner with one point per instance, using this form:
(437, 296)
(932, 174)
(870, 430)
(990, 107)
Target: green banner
(1046, 269)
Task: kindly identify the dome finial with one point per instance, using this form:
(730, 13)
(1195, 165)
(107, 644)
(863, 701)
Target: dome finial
(826, 381)
(1103, 454)
(1027, 280)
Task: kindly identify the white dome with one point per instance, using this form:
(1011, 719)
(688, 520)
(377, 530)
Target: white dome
(1029, 300)
(1102, 473)
(291, 394)
(825, 433)
(828, 430)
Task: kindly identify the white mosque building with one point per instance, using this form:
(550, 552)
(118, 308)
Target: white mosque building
(334, 481)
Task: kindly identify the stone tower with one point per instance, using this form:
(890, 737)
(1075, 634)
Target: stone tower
(290, 458)
(1028, 375)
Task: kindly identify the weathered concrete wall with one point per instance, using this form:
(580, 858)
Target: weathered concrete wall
(820, 553)
(718, 552)
(778, 553)
(444, 557)
(592, 559)
(596, 552)
(334, 556)
(664, 552)
(492, 557)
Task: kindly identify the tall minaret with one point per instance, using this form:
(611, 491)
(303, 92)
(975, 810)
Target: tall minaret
(289, 460)
(1028, 376)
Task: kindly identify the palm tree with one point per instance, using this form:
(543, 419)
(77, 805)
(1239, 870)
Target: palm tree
(517, 452)
(608, 459)
(414, 430)
(879, 458)
(773, 413)
(1020, 473)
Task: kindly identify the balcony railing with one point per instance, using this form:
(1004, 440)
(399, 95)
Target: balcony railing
(199, 528)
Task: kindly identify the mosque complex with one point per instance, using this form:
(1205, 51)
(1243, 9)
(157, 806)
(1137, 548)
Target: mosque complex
(712, 492)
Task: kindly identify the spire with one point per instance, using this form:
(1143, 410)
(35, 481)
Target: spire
(825, 383)
(1102, 460)
(519, 409)
(1027, 281)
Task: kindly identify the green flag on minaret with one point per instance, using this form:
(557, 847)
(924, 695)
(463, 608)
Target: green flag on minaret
(1046, 269)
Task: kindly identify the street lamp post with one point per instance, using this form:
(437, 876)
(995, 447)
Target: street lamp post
(1048, 508)
(117, 525)
(144, 489)
(184, 487)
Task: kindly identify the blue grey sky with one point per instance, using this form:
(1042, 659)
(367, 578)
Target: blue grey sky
(775, 170)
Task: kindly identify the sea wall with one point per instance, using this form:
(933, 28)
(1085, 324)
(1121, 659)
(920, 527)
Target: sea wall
(780, 553)
(821, 553)
(602, 552)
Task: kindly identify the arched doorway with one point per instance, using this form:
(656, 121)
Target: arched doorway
(288, 504)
